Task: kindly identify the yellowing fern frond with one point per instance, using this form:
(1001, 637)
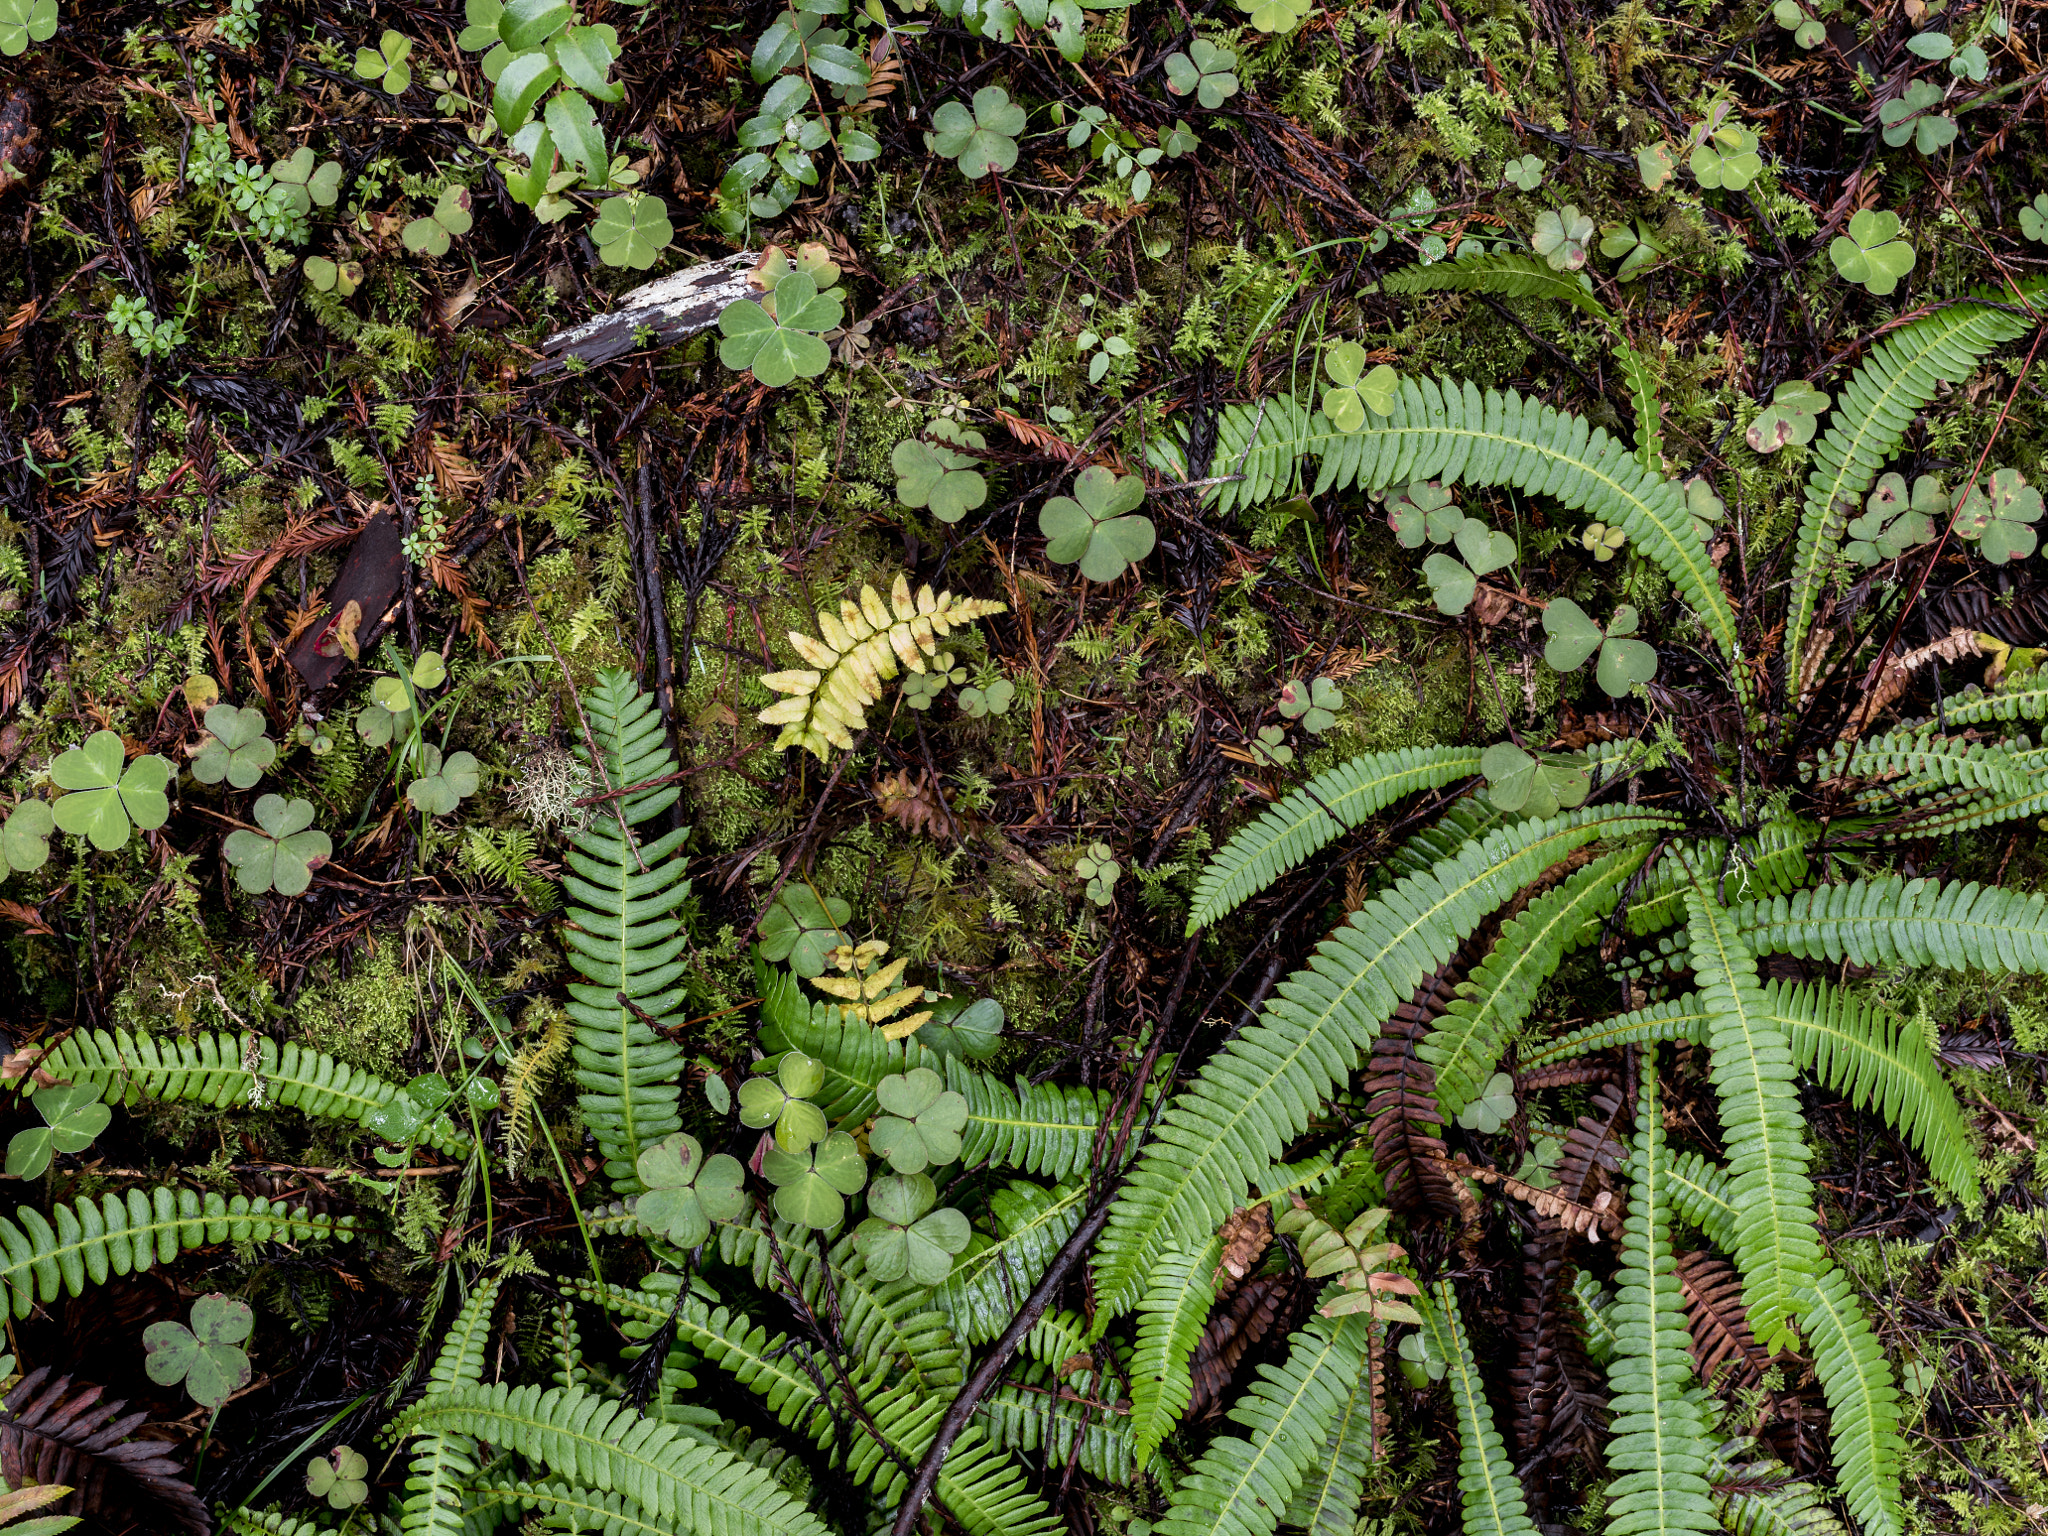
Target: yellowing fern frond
(862, 645)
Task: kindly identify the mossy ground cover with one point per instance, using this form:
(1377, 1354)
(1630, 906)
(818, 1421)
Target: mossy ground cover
(179, 494)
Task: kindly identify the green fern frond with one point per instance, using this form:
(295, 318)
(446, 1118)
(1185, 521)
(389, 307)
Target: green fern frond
(1929, 760)
(1678, 1018)
(1966, 813)
(1659, 1447)
(1489, 1490)
(1465, 1044)
(1507, 275)
(1240, 1487)
(1699, 1193)
(1315, 815)
(1263, 444)
(1258, 1093)
(83, 1241)
(1326, 1504)
(1781, 1506)
(1867, 426)
(1642, 389)
(1596, 1314)
(215, 1069)
(1171, 1316)
(1893, 921)
(1752, 1070)
(460, 1360)
(443, 1465)
(2023, 699)
(1465, 820)
(578, 1509)
(980, 1484)
(990, 1281)
(623, 938)
(1863, 1403)
(1040, 1423)
(1769, 862)
(595, 1443)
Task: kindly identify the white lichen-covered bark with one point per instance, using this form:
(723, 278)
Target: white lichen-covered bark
(672, 308)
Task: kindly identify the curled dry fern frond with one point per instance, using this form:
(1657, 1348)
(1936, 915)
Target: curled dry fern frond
(862, 645)
(66, 1432)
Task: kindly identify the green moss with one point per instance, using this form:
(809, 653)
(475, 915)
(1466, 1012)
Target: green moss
(366, 1018)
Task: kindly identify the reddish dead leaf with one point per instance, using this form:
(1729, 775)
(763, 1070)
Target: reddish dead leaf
(1245, 1234)
(27, 916)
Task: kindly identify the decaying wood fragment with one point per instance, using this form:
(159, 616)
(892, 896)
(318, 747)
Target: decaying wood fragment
(672, 309)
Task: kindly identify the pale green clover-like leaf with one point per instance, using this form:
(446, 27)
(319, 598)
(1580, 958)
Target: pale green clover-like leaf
(1450, 583)
(1727, 157)
(1806, 29)
(72, 1118)
(1655, 166)
(801, 928)
(281, 857)
(428, 670)
(442, 785)
(633, 228)
(237, 749)
(900, 1241)
(340, 278)
(1269, 749)
(1895, 520)
(1413, 509)
(1205, 69)
(26, 21)
(308, 182)
(1093, 526)
(933, 475)
(1705, 505)
(1420, 1362)
(1602, 542)
(1912, 116)
(1526, 173)
(783, 1102)
(1872, 253)
(1623, 662)
(207, 1357)
(1277, 16)
(1634, 246)
(1534, 786)
(106, 801)
(25, 840)
(1573, 635)
(2034, 219)
(1793, 416)
(342, 1479)
(1971, 63)
(784, 346)
(1347, 404)
(922, 1121)
(981, 138)
(1561, 237)
(430, 235)
(1996, 513)
(386, 62)
(685, 1191)
(1101, 871)
(1314, 704)
(1484, 549)
(995, 699)
(481, 32)
(1494, 1107)
(1178, 140)
(811, 1186)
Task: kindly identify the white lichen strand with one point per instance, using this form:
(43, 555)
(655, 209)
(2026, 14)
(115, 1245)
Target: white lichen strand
(860, 650)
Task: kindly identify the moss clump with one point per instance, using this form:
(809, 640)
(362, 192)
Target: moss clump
(366, 1018)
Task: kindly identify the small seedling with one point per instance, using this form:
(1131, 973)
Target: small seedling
(107, 801)
(978, 139)
(1634, 246)
(443, 784)
(786, 345)
(633, 228)
(1204, 69)
(1538, 787)
(1314, 704)
(1101, 871)
(1602, 542)
(1894, 521)
(1561, 238)
(811, 1186)
(1806, 29)
(1793, 416)
(386, 63)
(207, 1357)
(1526, 173)
(921, 690)
(1912, 116)
(1111, 348)
(1996, 513)
(149, 336)
(340, 278)
(284, 854)
(1269, 748)
(934, 475)
(341, 1479)
(1098, 525)
(1347, 404)
(1872, 253)
(1494, 1107)
(802, 929)
(903, 1238)
(25, 840)
(1725, 154)
(921, 1121)
(73, 1118)
(995, 699)
(1574, 636)
(236, 750)
(686, 1191)
(430, 236)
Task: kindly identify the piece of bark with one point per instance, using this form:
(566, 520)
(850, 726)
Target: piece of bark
(371, 577)
(673, 308)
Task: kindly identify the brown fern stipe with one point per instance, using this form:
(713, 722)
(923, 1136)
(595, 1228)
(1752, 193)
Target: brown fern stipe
(1719, 1324)
(1407, 1139)
(1234, 1327)
(61, 1432)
